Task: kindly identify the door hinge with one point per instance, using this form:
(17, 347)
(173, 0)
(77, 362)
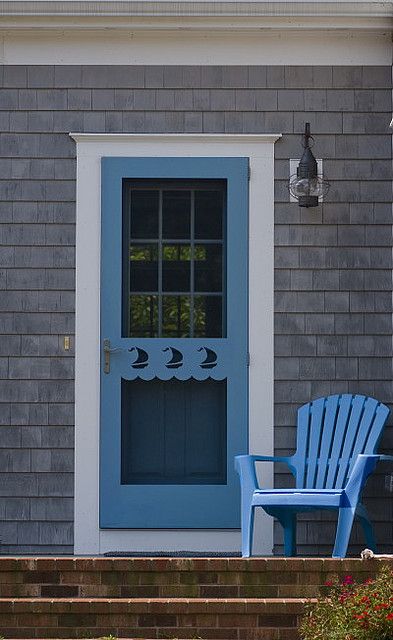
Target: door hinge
(249, 173)
(248, 359)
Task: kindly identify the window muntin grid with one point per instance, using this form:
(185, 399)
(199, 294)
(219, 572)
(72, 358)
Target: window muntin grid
(174, 258)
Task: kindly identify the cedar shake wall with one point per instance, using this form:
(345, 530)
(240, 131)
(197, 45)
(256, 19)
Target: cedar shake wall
(333, 324)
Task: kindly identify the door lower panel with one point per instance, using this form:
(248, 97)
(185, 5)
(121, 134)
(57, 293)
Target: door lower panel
(174, 432)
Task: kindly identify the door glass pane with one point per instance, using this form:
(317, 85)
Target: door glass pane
(176, 214)
(176, 316)
(208, 267)
(208, 316)
(208, 214)
(174, 258)
(144, 267)
(144, 316)
(144, 214)
(176, 267)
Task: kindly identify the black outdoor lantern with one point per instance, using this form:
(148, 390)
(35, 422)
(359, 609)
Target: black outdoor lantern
(307, 186)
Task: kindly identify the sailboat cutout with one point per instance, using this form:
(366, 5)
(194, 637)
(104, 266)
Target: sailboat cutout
(211, 358)
(176, 360)
(142, 359)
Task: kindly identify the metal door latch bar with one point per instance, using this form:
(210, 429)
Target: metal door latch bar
(107, 354)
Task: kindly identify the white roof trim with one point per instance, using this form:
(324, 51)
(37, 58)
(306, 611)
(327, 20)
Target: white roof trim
(142, 14)
(275, 8)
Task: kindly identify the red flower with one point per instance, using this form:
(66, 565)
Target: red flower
(328, 583)
(348, 580)
(389, 616)
(378, 607)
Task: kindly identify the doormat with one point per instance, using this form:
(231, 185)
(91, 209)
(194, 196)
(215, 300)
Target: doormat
(173, 554)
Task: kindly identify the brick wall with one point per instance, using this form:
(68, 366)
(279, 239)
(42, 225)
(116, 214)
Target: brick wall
(333, 264)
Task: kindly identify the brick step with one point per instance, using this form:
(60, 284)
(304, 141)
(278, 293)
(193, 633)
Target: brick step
(79, 577)
(212, 618)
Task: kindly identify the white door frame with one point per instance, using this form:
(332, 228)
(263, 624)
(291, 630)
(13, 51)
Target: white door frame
(89, 538)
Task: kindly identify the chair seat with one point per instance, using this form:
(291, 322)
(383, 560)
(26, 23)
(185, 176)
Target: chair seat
(318, 498)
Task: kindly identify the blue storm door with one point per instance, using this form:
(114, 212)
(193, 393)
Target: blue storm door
(174, 352)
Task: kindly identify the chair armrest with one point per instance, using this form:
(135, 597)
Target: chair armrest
(383, 457)
(256, 458)
(245, 466)
(363, 467)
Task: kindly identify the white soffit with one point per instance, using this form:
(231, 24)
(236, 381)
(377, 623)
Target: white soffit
(204, 47)
(369, 9)
(165, 32)
(122, 14)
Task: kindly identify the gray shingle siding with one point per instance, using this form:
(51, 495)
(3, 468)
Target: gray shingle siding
(333, 323)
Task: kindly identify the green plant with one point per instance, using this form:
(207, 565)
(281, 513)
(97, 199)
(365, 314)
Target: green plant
(352, 611)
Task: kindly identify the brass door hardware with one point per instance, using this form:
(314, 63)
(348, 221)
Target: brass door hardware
(107, 354)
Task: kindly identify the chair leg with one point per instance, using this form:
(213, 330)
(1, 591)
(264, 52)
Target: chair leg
(344, 528)
(290, 537)
(367, 527)
(288, 523)
(247, 530)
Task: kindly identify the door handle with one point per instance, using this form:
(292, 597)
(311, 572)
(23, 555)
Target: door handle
(107, 354)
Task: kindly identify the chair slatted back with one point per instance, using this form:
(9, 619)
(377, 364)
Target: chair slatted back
(331, 432)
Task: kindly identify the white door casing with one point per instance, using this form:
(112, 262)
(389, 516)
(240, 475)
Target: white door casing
(89, 538)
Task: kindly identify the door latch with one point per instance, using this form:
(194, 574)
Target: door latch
(107, 354)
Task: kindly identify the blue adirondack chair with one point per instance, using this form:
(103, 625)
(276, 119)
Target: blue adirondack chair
(337, 437)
